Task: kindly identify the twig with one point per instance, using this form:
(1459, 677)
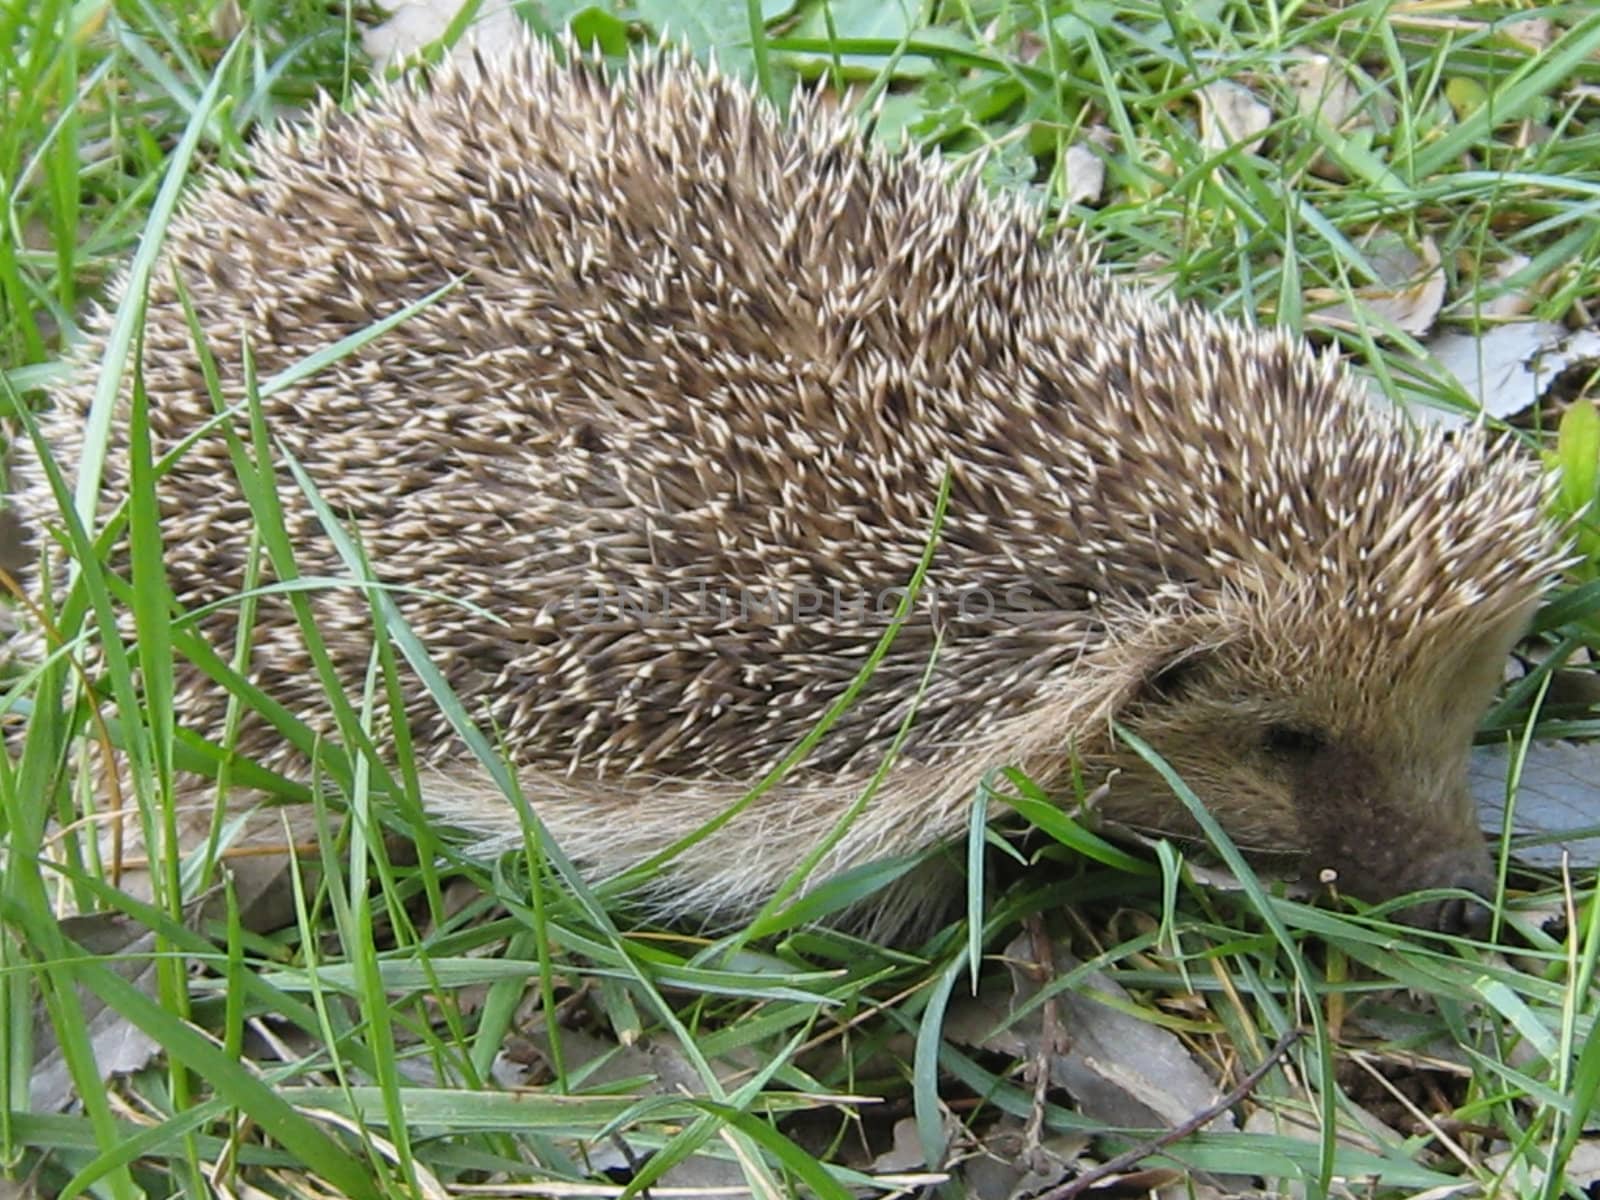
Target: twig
(1052, 1040)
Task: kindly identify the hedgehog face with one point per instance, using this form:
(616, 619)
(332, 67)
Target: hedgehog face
(1354, 765)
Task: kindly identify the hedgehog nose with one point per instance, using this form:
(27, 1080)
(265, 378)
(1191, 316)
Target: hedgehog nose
(1463, 916)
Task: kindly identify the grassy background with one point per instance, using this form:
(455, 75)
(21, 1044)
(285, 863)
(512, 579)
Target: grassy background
(359, 1041)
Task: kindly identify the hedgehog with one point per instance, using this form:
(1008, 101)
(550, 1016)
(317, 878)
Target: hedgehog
(650, 475)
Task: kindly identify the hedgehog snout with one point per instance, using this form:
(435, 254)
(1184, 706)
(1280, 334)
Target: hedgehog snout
(1376, 834)
(1465, 870)
(1383, 876)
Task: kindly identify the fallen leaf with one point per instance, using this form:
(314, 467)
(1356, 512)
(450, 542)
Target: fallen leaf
(1508, 368)
(1531, 33)
(119, 1046)
(1321, 88)
(1341, 98)
(413, 24)
(1556, 812)
(1117, 1068)
(1492, 297)
(1006, 1167)
(1408, 295)
(1288, 1117)
(1085, 173)
(1231, 115)
(906, 1152)
(1524, 1178)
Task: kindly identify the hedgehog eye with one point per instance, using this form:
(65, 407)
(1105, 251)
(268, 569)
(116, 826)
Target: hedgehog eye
(1292, 741)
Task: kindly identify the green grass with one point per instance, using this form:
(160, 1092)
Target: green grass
(364, 1039)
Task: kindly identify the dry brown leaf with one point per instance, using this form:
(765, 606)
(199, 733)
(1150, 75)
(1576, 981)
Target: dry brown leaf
(1508, 369)
(255, 849)
(1010, 1164)
(120, 1047)
(1555, 800)
(1231, 115)
(1532, 33)
(906, 1152)
(1330, 92)
(413, 24)
(1117, 1068)
(1408, 295)
(1321, 88)
(1492, 300)
(1085, 173)
(1284, 1117)
(1522, 1178)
